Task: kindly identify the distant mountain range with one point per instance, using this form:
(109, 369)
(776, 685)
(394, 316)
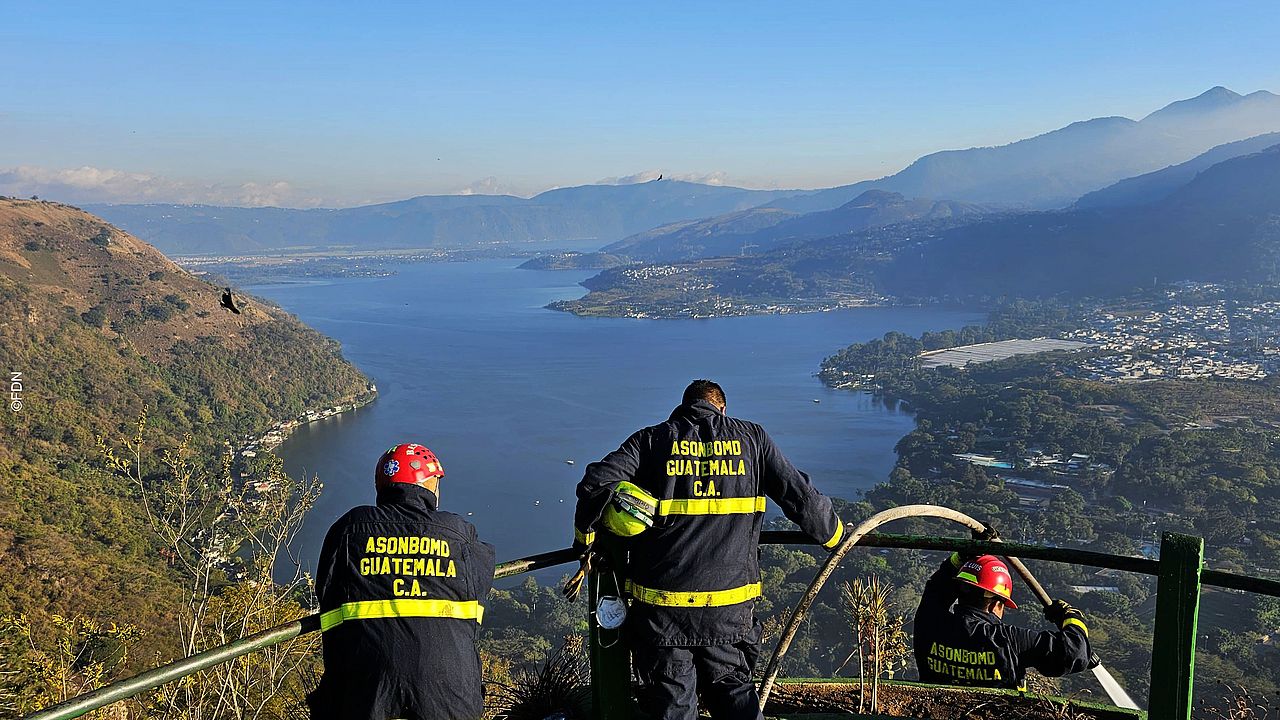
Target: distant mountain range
(762, 229)
(1162, 183)
(1223, 225)
(1053, 169)
(603, 212)
(1047, 171)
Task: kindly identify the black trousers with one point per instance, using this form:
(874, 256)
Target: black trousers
(673, 677)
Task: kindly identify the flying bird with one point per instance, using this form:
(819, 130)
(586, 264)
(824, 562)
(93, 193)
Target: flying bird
(659, 176)
(229, 302)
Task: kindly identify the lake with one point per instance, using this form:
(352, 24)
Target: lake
(469, 363)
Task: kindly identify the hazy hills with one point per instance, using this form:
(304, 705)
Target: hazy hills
(1053, 169)
(1161, 183)
(1047, 171)
(762, 229)
(603, 212)
(1223, 225)
(104, 328)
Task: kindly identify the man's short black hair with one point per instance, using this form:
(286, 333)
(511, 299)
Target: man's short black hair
(703, 390)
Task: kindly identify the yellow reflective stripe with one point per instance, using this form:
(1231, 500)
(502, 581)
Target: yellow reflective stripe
(1078, 623)
(374, 609)
(967, 576)
(835, 539)
(584, 538)
(712, 598)
(711, 506)
(330, 619)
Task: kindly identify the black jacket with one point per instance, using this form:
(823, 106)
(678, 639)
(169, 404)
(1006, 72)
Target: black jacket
(401, 586)
(695, 574)
(969, 646)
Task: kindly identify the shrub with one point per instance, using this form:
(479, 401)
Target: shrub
(158, 312)
(96, 316)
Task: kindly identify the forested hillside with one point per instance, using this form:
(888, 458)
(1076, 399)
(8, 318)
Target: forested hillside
(101, 330)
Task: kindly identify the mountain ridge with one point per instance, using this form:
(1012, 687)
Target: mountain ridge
(1049, 170)
(1161, 183)
(1053, 169)
(1222, 226)
(725, 235)
(607, 212)
(104, 331)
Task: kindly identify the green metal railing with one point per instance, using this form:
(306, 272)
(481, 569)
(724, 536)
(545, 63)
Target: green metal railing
(1179, 570)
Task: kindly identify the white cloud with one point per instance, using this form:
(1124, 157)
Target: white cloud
(90, 184)
(493, 186)
(718, 177)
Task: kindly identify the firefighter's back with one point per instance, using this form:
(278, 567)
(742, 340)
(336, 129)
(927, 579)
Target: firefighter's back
(402, 608)
(705, 472)
(964, 647)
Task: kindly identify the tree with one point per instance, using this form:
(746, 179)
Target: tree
(224, 539)
(54, 663)
(878, 635)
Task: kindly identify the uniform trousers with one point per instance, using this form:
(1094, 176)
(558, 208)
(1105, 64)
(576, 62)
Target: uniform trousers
(672, 678)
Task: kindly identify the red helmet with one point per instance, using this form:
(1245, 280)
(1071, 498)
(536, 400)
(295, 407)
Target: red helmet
(991, 574)
(407, 463)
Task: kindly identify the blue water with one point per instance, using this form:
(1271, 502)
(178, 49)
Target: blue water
(469, 363)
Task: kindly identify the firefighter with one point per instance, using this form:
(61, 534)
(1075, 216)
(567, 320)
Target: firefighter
(689, 496)
(969, 644)
(401, 586)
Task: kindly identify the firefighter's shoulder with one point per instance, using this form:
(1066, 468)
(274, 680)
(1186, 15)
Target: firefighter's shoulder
(456, 523)
(356, 515)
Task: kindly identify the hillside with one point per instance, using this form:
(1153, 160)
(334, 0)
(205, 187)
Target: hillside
(103, 328)
(1049, 170)
(763, 229)
(1054, 169)
(1161, 183)
(603, 212)
(1220, 227)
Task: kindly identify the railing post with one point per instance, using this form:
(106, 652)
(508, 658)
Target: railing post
(610, 659)
(1173, 652)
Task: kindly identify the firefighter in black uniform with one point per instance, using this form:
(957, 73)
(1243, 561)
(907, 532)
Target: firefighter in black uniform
(970, 644)
(401, 586)
(694, 575)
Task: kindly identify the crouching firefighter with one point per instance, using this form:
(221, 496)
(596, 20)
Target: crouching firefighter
(969, 644)
(401, 586)
(688, 496)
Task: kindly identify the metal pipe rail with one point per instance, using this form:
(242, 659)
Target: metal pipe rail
(178, 669)
(1071, 556)
(124, 689)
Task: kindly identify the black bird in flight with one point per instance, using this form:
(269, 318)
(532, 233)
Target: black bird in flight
(659, 176)
(229, 302)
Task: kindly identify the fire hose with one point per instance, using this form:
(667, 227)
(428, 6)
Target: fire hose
(1117, 694)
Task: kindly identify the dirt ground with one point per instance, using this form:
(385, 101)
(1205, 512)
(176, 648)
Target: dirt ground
(923, 702)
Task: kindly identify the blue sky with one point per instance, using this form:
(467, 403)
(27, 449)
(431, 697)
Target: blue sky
(344, 103)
